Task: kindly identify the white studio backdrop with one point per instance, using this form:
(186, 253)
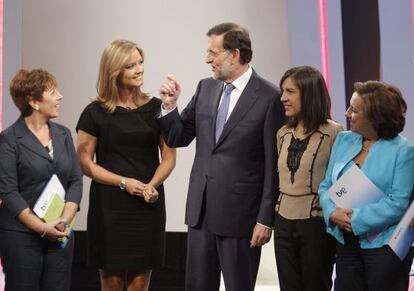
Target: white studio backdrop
(68, 37)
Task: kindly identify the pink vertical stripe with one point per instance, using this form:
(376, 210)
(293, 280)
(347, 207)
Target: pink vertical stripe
(1, 278)
(412, 14)
(323, 31)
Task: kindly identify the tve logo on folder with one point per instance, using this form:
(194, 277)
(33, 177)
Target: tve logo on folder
(354, 189)
(53, 192)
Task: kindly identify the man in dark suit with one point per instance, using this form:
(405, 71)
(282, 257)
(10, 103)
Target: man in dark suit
(234, 117)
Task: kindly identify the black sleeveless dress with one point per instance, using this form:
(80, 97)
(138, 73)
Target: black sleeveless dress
(124, 232)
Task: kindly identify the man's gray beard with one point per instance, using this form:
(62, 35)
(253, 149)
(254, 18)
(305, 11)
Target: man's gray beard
(218, 78)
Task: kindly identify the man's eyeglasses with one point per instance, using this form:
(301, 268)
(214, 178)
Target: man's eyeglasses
(214, 54)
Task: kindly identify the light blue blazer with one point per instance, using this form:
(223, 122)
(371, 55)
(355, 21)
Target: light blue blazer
(390, 166)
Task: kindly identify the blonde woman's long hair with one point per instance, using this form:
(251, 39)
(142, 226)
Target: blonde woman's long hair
(113, 61)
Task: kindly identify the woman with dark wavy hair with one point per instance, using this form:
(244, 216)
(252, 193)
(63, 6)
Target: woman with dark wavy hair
(304, 251)
(377, 116)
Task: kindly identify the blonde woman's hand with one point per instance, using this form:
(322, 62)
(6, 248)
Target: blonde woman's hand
(134, 187)
(150, 194)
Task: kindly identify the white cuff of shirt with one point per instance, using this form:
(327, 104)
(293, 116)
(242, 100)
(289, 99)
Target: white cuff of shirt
(165, 112)
(268, 227)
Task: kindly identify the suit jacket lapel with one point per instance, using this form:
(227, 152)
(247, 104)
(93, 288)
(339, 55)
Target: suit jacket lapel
(58, 139)
(243, 105)
(346, 157)
(27, 139)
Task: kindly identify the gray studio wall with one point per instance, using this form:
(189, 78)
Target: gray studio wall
(304, 45)
(397, 52)
(12, 54)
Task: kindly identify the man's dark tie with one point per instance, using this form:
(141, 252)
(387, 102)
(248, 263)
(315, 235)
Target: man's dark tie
(223, 110)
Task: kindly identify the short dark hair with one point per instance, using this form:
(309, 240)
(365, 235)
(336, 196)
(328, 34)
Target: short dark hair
(314, 97)
(384, 107)
(30, 85)
(234, 37)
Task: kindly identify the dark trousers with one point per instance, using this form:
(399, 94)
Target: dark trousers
(377, 269)
(208, 254)
(304, 254)
(31, 263)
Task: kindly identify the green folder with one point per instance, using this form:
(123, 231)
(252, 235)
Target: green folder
(54, 211)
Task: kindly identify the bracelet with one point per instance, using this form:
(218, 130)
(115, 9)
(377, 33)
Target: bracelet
(43, 234)
(65, 221)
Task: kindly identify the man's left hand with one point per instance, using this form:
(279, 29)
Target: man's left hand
(261, 236)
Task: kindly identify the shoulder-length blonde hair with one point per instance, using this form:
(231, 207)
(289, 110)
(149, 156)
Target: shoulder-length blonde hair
(113, 61)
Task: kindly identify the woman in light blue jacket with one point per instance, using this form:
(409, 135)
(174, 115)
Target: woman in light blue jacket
(376, 116)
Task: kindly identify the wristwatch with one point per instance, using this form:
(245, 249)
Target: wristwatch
(122, 185)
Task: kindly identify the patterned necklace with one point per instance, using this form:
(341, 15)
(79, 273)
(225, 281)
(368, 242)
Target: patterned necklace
(295, 152)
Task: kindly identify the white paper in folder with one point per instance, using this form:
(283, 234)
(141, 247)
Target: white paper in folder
(354, 189)
(403, 235)
(54, 186)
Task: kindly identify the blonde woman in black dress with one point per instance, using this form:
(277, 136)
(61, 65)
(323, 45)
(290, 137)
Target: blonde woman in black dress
(126, 217)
